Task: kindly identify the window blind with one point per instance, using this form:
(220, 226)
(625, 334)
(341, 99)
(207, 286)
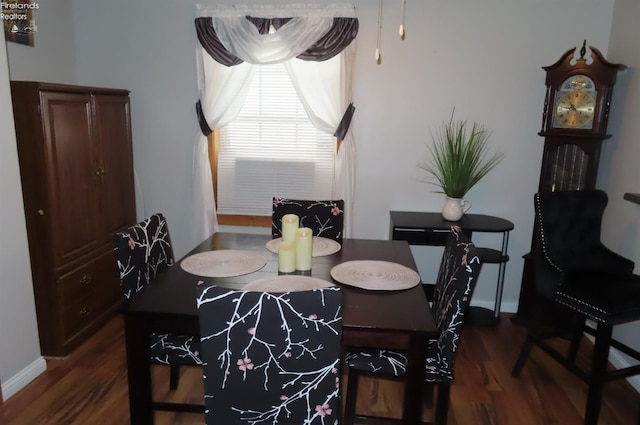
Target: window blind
(272, 149)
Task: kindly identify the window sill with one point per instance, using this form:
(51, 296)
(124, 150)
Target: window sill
(245, 220)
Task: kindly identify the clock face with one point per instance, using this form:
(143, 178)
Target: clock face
(575, 105)
(575, 110)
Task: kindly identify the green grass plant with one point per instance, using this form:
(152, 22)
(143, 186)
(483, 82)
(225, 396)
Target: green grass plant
(460, 157)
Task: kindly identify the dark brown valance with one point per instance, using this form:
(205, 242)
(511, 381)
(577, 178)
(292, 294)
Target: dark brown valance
(341, 34)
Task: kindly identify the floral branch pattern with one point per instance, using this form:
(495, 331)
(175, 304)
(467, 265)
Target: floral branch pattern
(325, 218)
(457, 276)
(142, 251)
(271, 357)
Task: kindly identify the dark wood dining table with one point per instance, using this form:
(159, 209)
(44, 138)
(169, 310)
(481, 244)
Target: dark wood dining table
(391, 319)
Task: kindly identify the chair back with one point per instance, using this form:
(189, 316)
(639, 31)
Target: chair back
(568, 230)
(457, 276)
(569, 224)
(270, 357)
(325, 218)
(142, 251)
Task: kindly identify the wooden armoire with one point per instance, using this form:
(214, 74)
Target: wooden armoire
(76, 166)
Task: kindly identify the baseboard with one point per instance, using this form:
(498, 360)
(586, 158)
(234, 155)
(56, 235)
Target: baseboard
(618, 361)
(505, 307)
(22, 378)
(616, 358)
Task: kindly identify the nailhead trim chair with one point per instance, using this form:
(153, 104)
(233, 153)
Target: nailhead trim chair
(325, 218)
(457, 276)
(142, 252)
(575, 270)
(271, 357)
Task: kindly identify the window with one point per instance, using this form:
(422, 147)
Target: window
(270, 149)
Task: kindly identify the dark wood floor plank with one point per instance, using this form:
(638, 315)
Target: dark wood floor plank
(90, 387)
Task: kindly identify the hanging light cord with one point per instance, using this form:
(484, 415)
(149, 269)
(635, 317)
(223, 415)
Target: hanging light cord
(378, 42)
(401, 30)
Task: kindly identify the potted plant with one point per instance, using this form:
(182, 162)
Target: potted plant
(459, 158)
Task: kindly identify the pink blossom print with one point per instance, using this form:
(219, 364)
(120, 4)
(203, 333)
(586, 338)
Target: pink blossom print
(323, 410)
(245, 364)
(335, 210)
(132, 243)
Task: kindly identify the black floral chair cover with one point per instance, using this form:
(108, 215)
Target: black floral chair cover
(143, 251)
(325, 218)
(456, 281)
(271, 357)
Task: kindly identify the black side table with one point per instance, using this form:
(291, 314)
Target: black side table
(426, 228)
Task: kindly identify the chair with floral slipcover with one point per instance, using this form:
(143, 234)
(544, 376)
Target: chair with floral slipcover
(325, 218)
(456, 281)
(143, 251)
(270, 357)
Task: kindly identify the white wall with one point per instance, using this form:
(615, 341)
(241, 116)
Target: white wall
(51, 59)
(619, 171)
(483, 58)
(19, 345)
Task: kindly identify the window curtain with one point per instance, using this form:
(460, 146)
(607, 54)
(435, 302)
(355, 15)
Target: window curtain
(316, 44)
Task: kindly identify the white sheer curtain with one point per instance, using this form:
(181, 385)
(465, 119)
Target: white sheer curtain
(325, 87)
(326, 90)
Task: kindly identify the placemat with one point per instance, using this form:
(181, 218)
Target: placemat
(321, 246)
(286, 283)
(223, 263)
(375, 275)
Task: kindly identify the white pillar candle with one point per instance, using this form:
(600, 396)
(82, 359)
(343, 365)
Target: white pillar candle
(287, 257)
(304, 247)
(290, 223)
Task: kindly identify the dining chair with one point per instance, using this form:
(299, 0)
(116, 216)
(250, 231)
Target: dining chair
(142, 252)
(455, 283)
(575, 270)
(270, 357)
(325, 218)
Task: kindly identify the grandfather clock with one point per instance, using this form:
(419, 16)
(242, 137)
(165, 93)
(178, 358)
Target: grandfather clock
(574, 124)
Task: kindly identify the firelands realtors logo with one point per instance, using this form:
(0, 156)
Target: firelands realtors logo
(17, 18)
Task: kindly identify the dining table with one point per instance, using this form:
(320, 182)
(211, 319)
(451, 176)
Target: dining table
(389, 318)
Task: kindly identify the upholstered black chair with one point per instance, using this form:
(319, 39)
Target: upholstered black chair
(325, 218)
(271, 357)
(575, 270)
(142, 252)
(456, 280)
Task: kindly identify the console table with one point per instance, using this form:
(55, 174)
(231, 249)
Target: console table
(426, 228)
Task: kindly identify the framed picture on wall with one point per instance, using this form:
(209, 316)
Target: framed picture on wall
(17, 19)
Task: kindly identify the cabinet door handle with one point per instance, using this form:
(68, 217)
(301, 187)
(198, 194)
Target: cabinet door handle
(85, 280)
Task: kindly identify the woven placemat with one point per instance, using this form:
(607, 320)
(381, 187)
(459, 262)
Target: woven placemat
(223, 263)
(375, 275)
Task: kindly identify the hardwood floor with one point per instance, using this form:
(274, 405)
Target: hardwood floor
(90, 387)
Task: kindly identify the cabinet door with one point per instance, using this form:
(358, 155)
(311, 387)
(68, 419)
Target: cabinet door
(113, 128)
(71, 174)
